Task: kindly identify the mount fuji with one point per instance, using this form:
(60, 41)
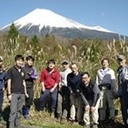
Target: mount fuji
(41, 22)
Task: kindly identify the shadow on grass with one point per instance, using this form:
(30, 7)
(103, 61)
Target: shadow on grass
(6, 112)
(115, 125)
(36, 104)
(119, 125)
(47, 105)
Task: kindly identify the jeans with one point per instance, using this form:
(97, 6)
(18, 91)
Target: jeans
(1, 102)
(28, 101)
(44, 97)
(107, 98)
(16, 105)
(74, 103)
(63, 103)
(124, 107)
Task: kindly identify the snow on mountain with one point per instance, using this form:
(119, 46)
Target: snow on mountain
(47, 18)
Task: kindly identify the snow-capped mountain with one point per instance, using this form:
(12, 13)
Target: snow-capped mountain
(44, 18)
(42, 21)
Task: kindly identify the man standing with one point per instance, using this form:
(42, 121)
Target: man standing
(123, 87)
(105, 79)
(30, 77)
(73, 80)
(49, 79)
(63, 94)
(16, 91)
(3, 80)
(89, 100)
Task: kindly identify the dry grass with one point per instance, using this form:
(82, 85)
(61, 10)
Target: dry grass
(87, 53)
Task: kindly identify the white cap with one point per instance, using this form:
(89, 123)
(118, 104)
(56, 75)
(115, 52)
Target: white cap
(122, 57)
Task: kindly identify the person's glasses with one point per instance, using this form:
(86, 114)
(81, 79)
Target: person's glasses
(73, 67)
(120, 60)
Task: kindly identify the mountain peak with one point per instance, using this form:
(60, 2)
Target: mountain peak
(47, 18)
(44, 18)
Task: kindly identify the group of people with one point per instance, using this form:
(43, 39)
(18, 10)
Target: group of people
(76, 97)
(18, 81)
(73, 95)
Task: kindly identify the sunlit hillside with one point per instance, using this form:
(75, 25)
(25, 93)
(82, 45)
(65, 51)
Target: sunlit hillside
(87, 53)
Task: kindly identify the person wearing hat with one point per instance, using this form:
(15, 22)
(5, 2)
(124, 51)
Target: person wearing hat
(49, 79)
(3, 81)
(123, 87)
(63, 106)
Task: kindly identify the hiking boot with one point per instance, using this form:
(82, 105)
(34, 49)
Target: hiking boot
(81, 123)
(111, 122)
(95, 126)
(26, 117)
(87, 126)
(71, 120)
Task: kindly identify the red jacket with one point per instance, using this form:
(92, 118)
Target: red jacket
(50, 79)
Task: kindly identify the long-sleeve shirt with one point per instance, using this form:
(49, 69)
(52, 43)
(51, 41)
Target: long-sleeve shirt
(122, 80)
(30, 75)
(90, 93)
(64, 74)
(50, 79)
(73, 81)
(3, 78)
(106, 76)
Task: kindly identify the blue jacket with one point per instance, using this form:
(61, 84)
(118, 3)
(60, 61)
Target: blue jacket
(3, 78)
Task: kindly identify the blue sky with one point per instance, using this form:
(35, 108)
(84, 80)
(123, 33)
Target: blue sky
(110, 14)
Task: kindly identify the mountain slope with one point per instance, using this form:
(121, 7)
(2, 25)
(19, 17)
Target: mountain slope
(41, 21)
(44, 18)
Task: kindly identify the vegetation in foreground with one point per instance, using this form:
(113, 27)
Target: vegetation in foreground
(87, 53)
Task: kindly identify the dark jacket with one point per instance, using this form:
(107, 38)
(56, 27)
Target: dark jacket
(89, 93)
(3, 78)
(73, 81)
(122, 80)
(30, 75)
